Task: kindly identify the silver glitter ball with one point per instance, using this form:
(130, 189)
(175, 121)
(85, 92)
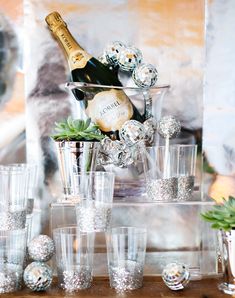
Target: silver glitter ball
(112, 52)
(129, 58)
(176, 276)
(41, 248)
(132, 132)
(168, 127)
(38, 276)
(145, 75)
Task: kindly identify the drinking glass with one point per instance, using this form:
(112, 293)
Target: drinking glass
(12, 256)
(186, 156)
(13, 197)
(95, 208)
(161, 173)
(126, 247)
(31, 191)
(74, 258)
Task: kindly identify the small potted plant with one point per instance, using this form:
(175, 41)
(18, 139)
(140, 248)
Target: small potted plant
(222, 217)
(77, 143)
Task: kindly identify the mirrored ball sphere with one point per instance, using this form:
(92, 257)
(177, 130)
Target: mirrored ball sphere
(176, 276)
(132, 132)
(112, 52)
(145, 75)
(38, 276)
(129, 58)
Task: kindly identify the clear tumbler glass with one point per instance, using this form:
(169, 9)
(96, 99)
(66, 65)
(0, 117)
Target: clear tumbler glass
(74, 258)
(13, 197)
(12, 256)
(126, 247)
(95, 207)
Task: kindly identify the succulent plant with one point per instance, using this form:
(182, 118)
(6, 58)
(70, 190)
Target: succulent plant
(77, 130)
(222, 216)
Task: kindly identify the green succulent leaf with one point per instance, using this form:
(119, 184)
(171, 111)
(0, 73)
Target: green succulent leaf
(221, 216)
(77, 130)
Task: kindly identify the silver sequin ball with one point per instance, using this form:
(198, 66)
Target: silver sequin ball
(41, 248)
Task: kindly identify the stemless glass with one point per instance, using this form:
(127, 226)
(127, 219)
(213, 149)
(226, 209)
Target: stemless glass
(126, 247)
(161, 173)
(13, 197)
(74, 258)
(12, 256)
(186, 156)
(95, 208)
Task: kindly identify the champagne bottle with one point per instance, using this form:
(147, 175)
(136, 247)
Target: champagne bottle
(109, 108)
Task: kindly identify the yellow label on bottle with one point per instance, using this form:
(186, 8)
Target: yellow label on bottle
(110, 109)
(78, 59)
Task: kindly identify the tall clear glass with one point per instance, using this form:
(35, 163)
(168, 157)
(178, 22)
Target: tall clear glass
(13, 197)
(12, 256)
(186, 157)
(95, 207)
(161, 173)
(74, 258)
(126, 247)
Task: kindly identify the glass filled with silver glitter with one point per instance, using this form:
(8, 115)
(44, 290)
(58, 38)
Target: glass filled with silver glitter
(74, 258)
(161, 174)
(14, 183)
(186, 156)
(94, 210)
(12, 256)
(126, 247)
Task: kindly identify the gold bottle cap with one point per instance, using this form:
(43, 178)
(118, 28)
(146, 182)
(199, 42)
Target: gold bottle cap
(54, 21)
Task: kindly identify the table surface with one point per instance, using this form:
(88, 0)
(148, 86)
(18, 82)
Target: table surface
(206, 288)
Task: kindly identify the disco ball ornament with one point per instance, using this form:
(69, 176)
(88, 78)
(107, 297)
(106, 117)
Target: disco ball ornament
(132, 132)
(168, 127)
(112, 52)
(37, 276)
(176, 276)
(41, 248)
(145, 75)
(129, 58)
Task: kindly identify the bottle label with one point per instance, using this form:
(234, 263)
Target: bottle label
(110, 109)
(78, 59)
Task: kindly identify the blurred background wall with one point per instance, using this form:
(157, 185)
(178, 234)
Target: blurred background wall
(191, 43)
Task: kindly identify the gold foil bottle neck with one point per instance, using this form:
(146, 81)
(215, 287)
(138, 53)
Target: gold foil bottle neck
(54, 21)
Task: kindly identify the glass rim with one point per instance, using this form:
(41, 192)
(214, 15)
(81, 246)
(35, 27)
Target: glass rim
(125, 229)
(75, 229)
(77, 85)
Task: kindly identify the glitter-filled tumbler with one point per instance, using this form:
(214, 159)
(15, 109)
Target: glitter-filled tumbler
(31, 190)
(12, 256)
(161, 174)
(74, 258)
(126, 247)
(13, 197)
(185, 156)
(95, 208)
